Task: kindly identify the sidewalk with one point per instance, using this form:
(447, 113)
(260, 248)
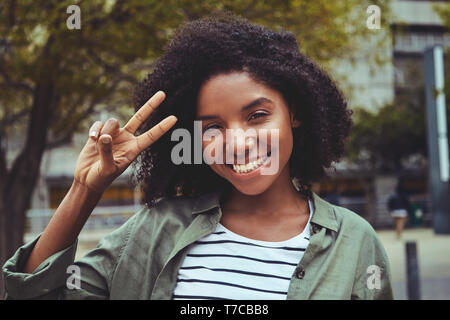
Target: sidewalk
(433, 255)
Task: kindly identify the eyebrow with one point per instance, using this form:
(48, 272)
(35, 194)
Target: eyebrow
(252, 104)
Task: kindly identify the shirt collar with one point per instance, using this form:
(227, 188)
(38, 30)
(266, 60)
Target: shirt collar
(323, 211)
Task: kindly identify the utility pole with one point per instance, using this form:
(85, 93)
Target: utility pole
(438, 156)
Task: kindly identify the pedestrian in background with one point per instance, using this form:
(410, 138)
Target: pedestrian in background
(399, 206)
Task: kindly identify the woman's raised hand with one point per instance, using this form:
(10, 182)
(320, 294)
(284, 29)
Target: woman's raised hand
(111, 149)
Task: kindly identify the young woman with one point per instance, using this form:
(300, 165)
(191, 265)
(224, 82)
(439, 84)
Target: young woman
(399, 206)
(224, 229)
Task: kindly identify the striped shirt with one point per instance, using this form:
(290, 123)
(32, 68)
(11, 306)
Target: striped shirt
(225, 265)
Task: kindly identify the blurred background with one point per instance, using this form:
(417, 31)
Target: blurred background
(65, 64)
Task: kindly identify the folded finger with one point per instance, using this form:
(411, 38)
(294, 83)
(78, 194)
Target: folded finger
(111, 127)
(106, 156)
(94, 131)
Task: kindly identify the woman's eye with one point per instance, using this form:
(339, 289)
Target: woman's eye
(213, 126)
(257, 115)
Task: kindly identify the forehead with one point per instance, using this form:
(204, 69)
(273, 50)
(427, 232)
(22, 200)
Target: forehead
(232, 90)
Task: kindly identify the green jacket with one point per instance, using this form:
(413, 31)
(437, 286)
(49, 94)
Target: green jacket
(140, 260)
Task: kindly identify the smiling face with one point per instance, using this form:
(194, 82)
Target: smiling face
(247, 113)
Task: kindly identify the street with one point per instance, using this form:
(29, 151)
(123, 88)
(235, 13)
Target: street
(434, 262)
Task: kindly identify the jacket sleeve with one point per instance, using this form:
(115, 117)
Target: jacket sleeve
(373, 279)
(59, 277)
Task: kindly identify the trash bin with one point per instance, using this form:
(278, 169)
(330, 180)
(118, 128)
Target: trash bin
(416, 215)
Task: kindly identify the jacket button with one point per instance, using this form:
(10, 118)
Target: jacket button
(300, 273)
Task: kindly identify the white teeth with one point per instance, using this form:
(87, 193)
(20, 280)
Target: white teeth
(244, 168)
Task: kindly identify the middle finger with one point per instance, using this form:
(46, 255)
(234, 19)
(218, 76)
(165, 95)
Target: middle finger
(142, 114)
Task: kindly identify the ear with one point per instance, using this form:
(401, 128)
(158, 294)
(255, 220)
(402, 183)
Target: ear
(294, 122)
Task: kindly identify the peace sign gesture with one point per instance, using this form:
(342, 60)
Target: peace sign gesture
(111, 149)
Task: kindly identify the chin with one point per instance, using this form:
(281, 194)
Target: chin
(252, 190)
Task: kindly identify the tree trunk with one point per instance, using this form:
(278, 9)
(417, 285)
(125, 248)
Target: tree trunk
(17, 188)
(367, 184)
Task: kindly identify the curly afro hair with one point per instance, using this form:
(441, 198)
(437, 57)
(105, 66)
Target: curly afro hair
(224, 43)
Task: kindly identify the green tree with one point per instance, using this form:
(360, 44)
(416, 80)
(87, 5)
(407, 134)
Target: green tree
(385, 139)
(52, 79)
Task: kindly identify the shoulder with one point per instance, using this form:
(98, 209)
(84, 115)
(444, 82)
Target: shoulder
(340, 219)
(352, 223)
(361, 233)
(164, 214)
(173, 214)
(166, 210)
(154, 228)
(349, 224)
(359, 247)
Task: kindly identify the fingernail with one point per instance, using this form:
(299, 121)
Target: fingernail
(106, 140)
(93, 134)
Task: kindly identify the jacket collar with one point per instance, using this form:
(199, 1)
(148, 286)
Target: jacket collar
(323, 211)
(324, 214)
(207, 201)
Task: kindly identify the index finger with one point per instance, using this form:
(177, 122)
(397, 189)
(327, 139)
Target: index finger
(144, 112)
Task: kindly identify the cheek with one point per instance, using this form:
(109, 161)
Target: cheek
(281, 141)
(287, 140)
(288, 144)
(212, 151)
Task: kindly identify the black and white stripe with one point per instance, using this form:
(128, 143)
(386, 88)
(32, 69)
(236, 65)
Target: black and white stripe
(224, 265)
(248, 244)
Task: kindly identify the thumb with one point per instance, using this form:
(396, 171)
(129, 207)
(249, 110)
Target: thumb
(107, 164)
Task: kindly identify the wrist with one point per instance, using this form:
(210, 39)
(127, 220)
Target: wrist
(81, 191)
